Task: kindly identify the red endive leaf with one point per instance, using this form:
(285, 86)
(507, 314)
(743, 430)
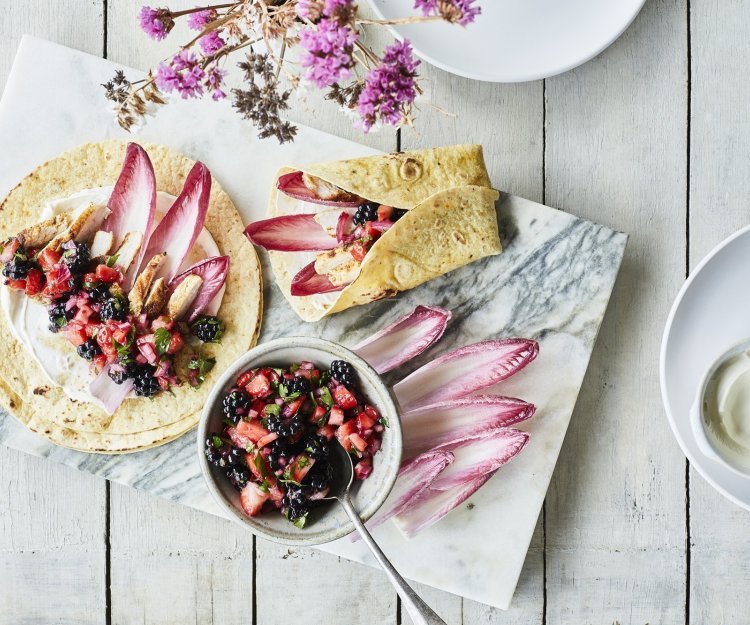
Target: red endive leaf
(290, 233)
(179, 228)
(133, 200)
(464, 371)
(310, 282)
(437, 424)
(292, 185)
(476, 459)
(413, 478)
(213, 271)
(405, 338)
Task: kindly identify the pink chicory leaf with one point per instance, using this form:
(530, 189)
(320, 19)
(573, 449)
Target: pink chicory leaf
(441, 423)
(310, 282)
(110, 394)
(405, 338)
(413, 478)
(290, 233)
(213, 271)
(133, 201)
(293, 185)
(476, 459)
(342, 225)
(179, 228)
(464, 371)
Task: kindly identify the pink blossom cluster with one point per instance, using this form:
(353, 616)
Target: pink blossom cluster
(461, 11)
(185, 75)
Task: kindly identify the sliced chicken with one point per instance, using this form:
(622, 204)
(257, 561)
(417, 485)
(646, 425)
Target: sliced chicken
(128, 250)
(84, 223)
(102, 244)
(325, 190)
(42, 233)
(339, 265)
(157, 298)
(183, 296)
(139, 292)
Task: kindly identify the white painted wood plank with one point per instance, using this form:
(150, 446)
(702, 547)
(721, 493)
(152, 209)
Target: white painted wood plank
(616, 146)
(52, 519)
(719, 188)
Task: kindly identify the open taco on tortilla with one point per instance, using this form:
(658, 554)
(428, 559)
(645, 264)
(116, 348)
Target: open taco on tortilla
(345, 233)
(127, 286)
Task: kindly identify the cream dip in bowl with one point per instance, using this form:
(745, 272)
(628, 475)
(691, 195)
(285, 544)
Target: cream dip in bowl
(720, 416)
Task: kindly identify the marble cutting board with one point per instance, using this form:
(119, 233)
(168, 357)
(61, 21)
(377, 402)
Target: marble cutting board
(552, 284)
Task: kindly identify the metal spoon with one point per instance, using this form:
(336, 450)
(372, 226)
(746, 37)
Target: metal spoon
(419, 611)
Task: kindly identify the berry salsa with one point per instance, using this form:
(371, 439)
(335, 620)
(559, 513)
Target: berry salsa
(279, 425)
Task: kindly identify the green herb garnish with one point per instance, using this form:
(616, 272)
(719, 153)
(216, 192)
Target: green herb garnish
(112, 260)
(162, 339)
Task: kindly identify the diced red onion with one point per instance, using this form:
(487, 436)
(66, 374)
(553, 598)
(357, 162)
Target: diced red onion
(381, 226)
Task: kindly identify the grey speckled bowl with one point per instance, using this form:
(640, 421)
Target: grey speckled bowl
(329, 521)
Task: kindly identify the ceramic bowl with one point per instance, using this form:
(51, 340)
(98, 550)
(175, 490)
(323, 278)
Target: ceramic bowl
(707, 444)
(328, 521)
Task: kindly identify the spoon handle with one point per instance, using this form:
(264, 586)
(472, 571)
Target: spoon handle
(418, 610)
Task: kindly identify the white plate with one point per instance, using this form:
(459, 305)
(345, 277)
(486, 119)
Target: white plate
(711, 313)
(516, 40)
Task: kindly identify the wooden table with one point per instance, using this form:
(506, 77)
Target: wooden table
(649, 138)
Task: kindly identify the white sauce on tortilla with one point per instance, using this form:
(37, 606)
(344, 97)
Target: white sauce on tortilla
(29, 319)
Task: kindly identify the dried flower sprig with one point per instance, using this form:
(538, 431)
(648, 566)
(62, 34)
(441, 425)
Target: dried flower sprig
(330, 53)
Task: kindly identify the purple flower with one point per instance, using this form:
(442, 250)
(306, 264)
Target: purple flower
(310, 9)
(390, 88)
(328, 52)
(456, 11)
(200, 19)
(211, 43)
(340, 10)
(156, 23)
(182, 74)
(215, 82)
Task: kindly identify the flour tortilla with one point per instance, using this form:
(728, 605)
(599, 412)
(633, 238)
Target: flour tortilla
(451, 221)
(25, 389)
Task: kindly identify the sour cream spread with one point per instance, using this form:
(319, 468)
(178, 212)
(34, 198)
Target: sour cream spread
(29, 319)
(726, 408)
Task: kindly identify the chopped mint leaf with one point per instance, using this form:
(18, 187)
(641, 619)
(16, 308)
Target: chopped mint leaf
(303, 461)
(294, 367)
(325, 378)
(112, 260)
(300, 522)
(384, 421)
(162, 339)
(226, 421)
(261, 466)
(202, 366)
(263, 486)
(325, 396)
(249, 448)
(282, 390)
(273, 409)
(217, 440)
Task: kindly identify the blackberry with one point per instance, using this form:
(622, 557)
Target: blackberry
(207, 328)
(114, 308)
(59, 315)
(99, 292)
(366, 212)
(220, 453)
(76, 256)
(127, 368)
(320, 476)
(397, 214)
(316, 446)
(238, 476)
(144, 382)
(291, 428)
(235, 405)
(279, 455)
(18, 268)
(273, 423)
(89, 349)
(298, 385)
(295, 503)
(343, 372)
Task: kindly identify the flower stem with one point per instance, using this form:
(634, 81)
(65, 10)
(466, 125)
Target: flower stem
(414, 19)
(206, 8)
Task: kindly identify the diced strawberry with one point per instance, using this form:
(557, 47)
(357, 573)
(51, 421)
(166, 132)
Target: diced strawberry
(34, 282)
(175, 343)
(90, 279)
(244, 378)
(344, 398)
(384, 212)
(10, 247)
(104, 339)
(317, 414)
(359, 442)
(75, 333)
(163, 321)
(259, 386)
(337, 416)
(363, 469)
(100, 361)
(301, 465)
(246, 432)
(16, 285)
(276, 494)
(258, 466)
(252, 499)
(372, 412)
(121, 335)
(372, 231)
(84, 313)
(345, 431)
(47, 259)
(364, 421)
(108, 274)
(268, 438)
(293, 406)
(358, 251)
(328, 431)
(258, 405)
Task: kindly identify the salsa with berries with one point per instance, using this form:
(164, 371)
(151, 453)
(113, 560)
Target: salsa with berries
(88, 306)
(279, 426)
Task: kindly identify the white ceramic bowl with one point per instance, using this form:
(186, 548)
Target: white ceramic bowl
(328, 521)
(707, 446)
